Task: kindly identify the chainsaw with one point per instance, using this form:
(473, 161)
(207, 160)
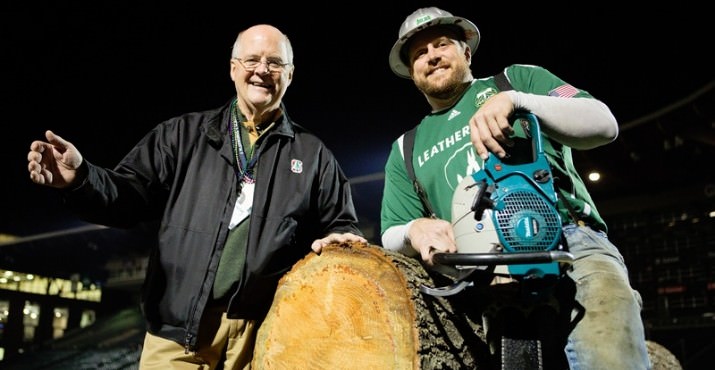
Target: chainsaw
(509, 234)
(504, 216)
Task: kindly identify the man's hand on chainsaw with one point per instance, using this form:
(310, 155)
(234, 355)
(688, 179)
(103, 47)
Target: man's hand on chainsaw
(490, 127)
(429, 236)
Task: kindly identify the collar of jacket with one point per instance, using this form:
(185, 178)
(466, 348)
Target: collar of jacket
(216, 128)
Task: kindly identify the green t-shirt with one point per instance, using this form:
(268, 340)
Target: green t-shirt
(443, 155)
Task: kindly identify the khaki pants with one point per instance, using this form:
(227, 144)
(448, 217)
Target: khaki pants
(222, 344)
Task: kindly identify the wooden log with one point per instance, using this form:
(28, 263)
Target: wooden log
(661, 358)
(358, 306)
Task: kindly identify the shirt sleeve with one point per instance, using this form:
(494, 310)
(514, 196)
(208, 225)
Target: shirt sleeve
(395, 239)
(594, 127)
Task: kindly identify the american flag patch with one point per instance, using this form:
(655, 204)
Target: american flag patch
(564, 91)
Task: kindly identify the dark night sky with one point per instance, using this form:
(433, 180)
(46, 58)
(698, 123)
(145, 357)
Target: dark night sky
(104, 73)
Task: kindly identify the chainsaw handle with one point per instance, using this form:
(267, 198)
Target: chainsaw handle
(493, 259)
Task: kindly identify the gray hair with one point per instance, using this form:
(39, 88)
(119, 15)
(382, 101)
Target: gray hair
(289, 47)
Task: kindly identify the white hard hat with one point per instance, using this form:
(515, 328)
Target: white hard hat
(418, 21)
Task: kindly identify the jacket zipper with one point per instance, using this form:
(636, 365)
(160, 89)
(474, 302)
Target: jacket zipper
(187, 344)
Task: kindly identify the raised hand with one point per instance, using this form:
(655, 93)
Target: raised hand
(54, 163)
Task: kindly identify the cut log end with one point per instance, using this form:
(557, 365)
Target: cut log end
(347, 305)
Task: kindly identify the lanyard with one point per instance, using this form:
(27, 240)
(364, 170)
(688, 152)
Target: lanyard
(244, 161)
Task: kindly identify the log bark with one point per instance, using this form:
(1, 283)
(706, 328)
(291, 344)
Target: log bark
(358, 306)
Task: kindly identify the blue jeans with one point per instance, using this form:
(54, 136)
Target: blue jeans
(609, 333)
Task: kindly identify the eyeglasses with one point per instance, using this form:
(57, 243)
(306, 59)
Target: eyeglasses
(273, 65)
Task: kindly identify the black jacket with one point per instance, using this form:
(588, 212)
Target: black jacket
(182, 174)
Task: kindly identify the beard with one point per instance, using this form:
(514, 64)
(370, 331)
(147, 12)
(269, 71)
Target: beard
(444, 87)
